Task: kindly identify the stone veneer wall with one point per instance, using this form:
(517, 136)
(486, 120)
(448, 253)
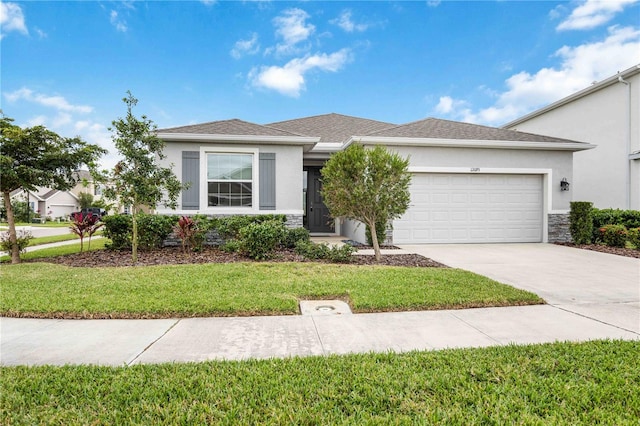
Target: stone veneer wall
(559, 228)
(214, 239)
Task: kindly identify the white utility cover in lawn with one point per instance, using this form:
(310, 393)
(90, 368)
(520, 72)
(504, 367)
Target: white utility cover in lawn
(472, 208)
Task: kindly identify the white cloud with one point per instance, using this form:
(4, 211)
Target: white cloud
(593, 13)
(289, 79)
(345, 22)
(293, 29)
(447, 104)
(208, 2)
(119, 23)
(57, 102)
(64, 119)
(433, 3)
(12, 19)
(246, 47)
(579, 67)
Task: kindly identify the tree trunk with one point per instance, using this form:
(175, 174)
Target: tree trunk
(374, 240)
(134, 236)
(13, 236)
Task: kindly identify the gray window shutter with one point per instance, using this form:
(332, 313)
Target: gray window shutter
(267, 181)
(191, 174)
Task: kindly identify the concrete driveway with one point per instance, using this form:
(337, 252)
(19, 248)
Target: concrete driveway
(597, 285)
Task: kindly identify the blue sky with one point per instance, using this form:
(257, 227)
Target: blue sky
(68, 64)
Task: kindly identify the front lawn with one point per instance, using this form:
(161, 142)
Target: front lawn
(50, 290)
(556, 384)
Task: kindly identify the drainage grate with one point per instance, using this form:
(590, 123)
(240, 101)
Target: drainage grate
(324, 307)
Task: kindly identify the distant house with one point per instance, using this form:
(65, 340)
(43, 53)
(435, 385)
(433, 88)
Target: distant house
(48, 203)
(471, 184)
(606, 114)
(53, 204)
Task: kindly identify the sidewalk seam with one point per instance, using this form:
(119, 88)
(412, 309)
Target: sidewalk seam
(154, 342)
(315, 327)
(595, 319)
(476, 328)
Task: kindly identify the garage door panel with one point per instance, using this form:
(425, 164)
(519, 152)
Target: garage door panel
(467, 208)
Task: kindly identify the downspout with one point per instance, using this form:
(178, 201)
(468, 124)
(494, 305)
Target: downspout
(628, 146)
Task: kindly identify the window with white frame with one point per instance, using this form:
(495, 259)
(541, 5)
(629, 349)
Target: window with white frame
(229, 180)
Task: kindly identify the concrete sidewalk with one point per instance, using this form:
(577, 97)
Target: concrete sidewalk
(126, 342)
(591, 296)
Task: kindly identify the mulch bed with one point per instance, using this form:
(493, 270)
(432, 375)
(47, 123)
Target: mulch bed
(626, 252)
(175, 256)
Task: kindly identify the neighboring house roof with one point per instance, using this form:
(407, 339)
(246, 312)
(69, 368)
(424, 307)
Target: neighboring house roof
(435, 128)
(582, 93)
(229, 127)
(83, 174)
(49, 194)
(331, 127)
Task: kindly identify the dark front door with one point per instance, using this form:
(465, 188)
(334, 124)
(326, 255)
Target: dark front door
(318, 218)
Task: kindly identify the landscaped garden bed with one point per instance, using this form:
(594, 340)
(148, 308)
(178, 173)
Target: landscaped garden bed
(175, 256)
(619, 251)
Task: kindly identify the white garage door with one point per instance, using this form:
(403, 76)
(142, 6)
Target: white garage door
(472, 208)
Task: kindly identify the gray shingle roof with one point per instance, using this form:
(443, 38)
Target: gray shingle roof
(331, 127)
(230, 127)
(434, 128)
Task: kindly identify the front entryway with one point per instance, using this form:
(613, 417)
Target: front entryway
(318, 219)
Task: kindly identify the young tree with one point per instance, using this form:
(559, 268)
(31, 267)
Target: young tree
(85, 199)
(35, 156)
(369, 185)
(137, 180)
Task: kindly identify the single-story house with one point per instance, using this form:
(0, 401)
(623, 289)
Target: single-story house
(470, 184)
(606, 114)
(48, 203)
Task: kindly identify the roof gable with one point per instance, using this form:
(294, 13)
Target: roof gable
(331, 127)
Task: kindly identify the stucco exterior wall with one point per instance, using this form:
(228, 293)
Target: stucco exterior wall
(600, 118)
(513, 161)
(288, 176)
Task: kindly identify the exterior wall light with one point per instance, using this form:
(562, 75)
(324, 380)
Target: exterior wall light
(564, 184)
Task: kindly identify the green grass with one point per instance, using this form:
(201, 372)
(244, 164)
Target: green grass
(38, 225)
(52, 239)
(555, 384)
(43, 289)
(97, 244)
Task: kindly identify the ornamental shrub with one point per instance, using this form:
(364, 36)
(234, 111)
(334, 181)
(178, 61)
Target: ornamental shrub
(117, 228)
(22, 241)
(153, 229)
(293, 235)
(229, 227)
(312, 251)
(231, 246)
(628, 218)
(259, 240)
(633, 236)
(581, 222)
(614, 235)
